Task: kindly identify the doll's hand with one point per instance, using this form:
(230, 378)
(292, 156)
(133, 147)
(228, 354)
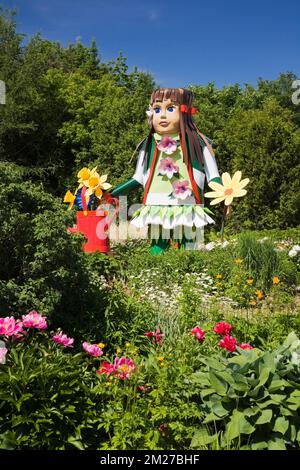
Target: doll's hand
(109, 198)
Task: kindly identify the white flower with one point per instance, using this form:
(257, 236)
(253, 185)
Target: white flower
(295, 359)
(293, 253)
(210, 246)
(150, 113)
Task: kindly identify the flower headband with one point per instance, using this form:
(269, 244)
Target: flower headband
(184, 109)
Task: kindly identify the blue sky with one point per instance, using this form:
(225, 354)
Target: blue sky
(179, 42)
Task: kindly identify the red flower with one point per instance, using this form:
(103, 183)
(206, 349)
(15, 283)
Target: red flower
(246, 346)
(163, 430)
(106, 368)
(149, 334)
(228, 343)
(222, 328)
(157, 335)
(198, 333)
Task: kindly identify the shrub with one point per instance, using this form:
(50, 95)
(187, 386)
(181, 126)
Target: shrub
(251, 398)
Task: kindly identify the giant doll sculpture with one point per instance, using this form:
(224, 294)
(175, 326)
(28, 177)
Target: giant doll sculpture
(172, 163)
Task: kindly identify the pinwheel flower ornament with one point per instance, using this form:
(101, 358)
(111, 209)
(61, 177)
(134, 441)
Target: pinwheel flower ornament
(231, 188)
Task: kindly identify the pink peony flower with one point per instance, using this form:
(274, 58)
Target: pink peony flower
(9, 326)
(246, 346)
(34, 320)
(181, 189)
(222, 328)
(228, 343)
(63, 339)
(124, 367)
(198, 333)
(157, 335)
(167, 145)
(168, 167)
(92, 349)
(3, 352)
(106, 368)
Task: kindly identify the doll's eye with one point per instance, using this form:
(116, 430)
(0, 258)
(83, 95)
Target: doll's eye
(171, 109)
(156, 110)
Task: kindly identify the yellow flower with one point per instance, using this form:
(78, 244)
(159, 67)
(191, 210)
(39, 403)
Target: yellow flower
(128, 345)
(259, 294)
(83, 175)
(249, 281)
(275, 280)
(101, 345)
(218, 283)
(219, 276)
(70, 198)
(253, 302)
(161, 358)
(96, 184)
(231, 188)
(119, 350)
(238, 261)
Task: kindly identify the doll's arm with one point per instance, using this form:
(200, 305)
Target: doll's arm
(210, 167)
(124, 188)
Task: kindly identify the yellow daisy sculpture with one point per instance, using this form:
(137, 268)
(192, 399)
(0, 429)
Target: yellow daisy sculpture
(231, 188)
(92, 184)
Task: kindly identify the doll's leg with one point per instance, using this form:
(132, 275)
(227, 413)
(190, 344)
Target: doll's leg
(178, 236)
(159, 242)
(159, 246)
(193, 238)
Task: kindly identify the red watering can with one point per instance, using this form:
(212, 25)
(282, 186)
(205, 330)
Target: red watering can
(94, 225)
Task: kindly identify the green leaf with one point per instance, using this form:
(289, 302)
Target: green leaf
(163, 211)
(211, 417)
(177, 210)
(281, 425)
(145, 210)
(208, 211)
(264, 376)
(199, 210)
(206, 392)
(219, 385)
(251, 411)
(265, 417)
(218, 409)
(259, 445)
(202, 437)
(276, 444)
(277, 384)
(238, 425)
(188, 209)
(7, 441)
(76, 443)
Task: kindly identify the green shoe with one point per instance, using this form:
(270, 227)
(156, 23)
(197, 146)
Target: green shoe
(159, 246)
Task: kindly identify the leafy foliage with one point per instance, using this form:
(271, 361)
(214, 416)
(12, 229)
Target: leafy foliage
(252, 399)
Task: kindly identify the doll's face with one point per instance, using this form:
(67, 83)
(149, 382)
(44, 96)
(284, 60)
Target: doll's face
(166, 117)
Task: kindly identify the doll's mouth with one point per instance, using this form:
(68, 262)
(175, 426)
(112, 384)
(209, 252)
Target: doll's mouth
(163, 123)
